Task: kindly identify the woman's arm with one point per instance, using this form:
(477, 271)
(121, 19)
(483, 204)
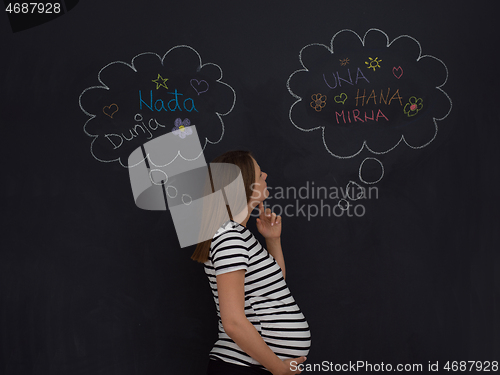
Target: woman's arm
(269, 225)
(231, 292)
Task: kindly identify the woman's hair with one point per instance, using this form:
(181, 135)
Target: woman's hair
(214, 213)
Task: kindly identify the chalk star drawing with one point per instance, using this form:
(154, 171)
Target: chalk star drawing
(374, 63)
(344, 62)
(162, 84)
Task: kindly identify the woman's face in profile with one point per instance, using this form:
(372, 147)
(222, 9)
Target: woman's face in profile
(259, 188)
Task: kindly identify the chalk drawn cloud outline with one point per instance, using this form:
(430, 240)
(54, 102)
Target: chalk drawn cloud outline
(132, 66)
(364, 144)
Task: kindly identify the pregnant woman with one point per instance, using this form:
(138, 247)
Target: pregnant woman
(261, 328)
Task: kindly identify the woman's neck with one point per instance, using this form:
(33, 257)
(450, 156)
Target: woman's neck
(243, 216)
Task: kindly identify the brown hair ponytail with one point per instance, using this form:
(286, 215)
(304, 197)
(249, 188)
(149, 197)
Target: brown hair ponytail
(213, 216)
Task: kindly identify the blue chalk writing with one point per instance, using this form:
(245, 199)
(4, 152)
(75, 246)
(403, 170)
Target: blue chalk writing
(172, 105)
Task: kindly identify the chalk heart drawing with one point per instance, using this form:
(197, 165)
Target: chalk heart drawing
(110, 110)
(199, 86)
(398, 72)
(340, 98)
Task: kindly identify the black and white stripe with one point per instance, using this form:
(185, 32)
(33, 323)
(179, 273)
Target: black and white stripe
(269, 306)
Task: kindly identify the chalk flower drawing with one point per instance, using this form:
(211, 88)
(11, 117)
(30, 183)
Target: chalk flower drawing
(413, 106)
(319, 101)
(182, 127)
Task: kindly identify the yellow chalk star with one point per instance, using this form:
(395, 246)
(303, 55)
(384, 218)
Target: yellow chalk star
(163, 82)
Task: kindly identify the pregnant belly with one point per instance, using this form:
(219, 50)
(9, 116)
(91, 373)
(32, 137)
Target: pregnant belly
(288, 339)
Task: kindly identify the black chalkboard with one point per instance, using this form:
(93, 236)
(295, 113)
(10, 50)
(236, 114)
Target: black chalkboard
(377, 126)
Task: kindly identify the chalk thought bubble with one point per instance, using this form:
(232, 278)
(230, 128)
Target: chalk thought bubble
(152, 96)
(369, 93)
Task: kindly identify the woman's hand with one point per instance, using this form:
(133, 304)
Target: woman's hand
(268, 224)
(291, 366)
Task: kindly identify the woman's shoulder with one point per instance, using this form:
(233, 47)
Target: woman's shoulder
(231, 228)
(232, 233)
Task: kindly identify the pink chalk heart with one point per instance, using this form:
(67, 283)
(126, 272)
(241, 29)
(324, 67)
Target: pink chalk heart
(110, 110)
(199, 86)
(398, 72)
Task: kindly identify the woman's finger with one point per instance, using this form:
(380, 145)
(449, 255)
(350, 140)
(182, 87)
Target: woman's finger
(262, 211)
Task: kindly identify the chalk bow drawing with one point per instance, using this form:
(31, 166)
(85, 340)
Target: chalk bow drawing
(398, 72)
(199, 86)
(110, 110)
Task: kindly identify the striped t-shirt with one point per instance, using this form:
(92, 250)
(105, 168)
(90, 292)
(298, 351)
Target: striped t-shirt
(269, 306)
